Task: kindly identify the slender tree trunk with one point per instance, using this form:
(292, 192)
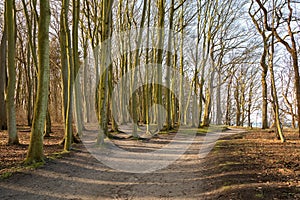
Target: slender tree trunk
(10, 96)
(181, 92)
(29, 87)
(105, 64)
(47, 130)
(78, 99)
(264, 84)
(87, 88)
(70, 79)
(250, 103)
(135, 70)
(238, 103)
(64, 63)
(35, 152)
(218, 97)
(147, 88)
(159, 61)
(274, 95)
(3, 78)
(228, 102)
(169, 65)
(209, 91)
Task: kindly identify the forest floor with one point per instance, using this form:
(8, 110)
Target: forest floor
(242, 165)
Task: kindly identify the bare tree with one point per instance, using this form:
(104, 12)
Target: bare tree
(35, 151)
(289, 43)
(10, 98)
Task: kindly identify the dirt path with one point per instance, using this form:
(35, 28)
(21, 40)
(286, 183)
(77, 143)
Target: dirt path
(80, 176)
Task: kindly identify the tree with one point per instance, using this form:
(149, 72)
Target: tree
(264, 66)
(169, 64)
(285, 92)
(35, 151)
(136, 63)
(70, 68)
(31, 71)
(290, 43)
(105, 61)
(3, 78)
(75, 36)
(10, 98)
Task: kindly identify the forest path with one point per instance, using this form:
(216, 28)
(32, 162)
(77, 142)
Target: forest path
(81, 176)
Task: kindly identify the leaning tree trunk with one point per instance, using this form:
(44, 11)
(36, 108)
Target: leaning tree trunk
(274, 95)
(35, 152)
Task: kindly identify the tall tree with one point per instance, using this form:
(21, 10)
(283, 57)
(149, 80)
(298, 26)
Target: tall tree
(169, 65)
(35, 152)
(160, 46)
(10, 98)
(3, 77)
(290, 44)
(68, 69)
(135, 70)
(264, 66)
(75, 36)
(105, 61)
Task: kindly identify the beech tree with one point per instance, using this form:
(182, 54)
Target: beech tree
(10, 98)
(3, 77)
(263, 63)
(105, 62)
(290, 44)
(35, 151)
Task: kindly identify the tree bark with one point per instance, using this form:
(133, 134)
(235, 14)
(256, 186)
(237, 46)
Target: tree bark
(3, 79)
(159, 61)
(35, 152)
(70, 79)
(105, 63)
(10, 96)
(78, 97)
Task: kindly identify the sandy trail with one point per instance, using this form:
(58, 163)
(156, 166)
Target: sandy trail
(81, 176)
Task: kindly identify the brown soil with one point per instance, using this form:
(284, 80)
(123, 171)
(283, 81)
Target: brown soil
(12, 156)
(242, 166)
(254, 166)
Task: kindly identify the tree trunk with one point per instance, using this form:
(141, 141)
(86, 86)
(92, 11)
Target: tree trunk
(181, 72)
(47, 130)
(135, 70)
(274, 94)
(250, 103)
(159, 61)
(35, 152)
(169, 65)
(218, 96)
(237, 102)
(87, 86)
(78, 99)
(3, 78)
(228, 102)
(264, 100)
(105, 63)
(10, 96)
(29, 87)
(264, 83)
(70, 98)
(209, 91)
